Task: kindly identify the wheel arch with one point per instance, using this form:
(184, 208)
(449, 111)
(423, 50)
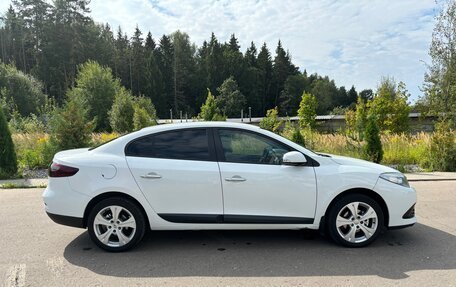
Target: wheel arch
(368, 192)
(112, 194)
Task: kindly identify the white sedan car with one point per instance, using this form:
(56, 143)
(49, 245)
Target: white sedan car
(219, 175)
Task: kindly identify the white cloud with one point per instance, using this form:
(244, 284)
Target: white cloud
(354, 42)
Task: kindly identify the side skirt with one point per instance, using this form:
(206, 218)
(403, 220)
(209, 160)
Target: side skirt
(233, 218)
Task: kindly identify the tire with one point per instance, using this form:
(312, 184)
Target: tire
(352, 231)
(116, 224)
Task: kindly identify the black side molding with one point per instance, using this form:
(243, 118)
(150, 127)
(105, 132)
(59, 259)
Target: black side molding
(66, 220)
(191, 218)
(233, 219)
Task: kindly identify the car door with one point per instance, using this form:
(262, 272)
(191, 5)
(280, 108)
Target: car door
(178, 174)
(257, 188)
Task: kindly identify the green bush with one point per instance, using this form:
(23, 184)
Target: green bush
(29, 124)
(8, 164)
(442, 153)
(209, 110)
(22, 92)
(38, 153)
(145, 114)
(121, 113)
(271, 122)
(96, 85)
(307, 111)
(70, 125)
(373, 146)
(297, 137)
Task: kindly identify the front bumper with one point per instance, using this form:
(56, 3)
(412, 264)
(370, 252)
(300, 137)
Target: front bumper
(400, 202)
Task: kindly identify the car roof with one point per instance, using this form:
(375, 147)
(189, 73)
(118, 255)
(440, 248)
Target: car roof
(199, 125)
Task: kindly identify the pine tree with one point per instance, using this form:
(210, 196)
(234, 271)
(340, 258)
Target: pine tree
(264, 64)
(165, 57)
(282, 68)
(137, 62)
(8, 164)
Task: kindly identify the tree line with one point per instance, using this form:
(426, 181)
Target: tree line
(50, 41)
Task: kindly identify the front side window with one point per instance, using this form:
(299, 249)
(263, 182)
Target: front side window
(189, 144)
(247, 147)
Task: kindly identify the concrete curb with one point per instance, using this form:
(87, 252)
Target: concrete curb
(431, 176)
(21, 183)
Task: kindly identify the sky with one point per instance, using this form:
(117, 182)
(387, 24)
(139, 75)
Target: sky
(354, 42)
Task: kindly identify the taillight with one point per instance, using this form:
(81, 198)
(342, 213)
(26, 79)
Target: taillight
(60, 170)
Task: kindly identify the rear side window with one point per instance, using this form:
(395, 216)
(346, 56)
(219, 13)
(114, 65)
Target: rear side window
(192, 144)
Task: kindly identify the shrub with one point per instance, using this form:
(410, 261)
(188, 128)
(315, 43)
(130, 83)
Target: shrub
(121, 113)
(390, 106)
(30, 124)
(230, 100)
(21, 91)
(442, 153)
(145, 114)
(271, 122)
(33, 150)
(297, 137)
(209, 110)
(8, 164)
(70, 125)
(356, 120)
(307, 111)
(373, 146)
(96, 85)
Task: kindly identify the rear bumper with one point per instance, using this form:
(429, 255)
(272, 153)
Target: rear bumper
(66, 220)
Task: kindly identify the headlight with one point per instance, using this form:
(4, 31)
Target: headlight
(395, 177)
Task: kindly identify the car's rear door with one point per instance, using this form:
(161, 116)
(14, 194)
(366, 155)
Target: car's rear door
(257, 188)
(178, 174)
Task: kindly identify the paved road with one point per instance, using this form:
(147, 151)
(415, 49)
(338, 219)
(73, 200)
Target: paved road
(36, 252)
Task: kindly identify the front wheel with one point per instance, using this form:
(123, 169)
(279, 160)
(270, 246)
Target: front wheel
(116, 224)
(355, 220)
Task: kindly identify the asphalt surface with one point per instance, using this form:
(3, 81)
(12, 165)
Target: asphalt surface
(34, 251)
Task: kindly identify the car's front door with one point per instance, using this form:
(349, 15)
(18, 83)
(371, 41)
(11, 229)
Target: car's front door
(178, 174)
(257, 188)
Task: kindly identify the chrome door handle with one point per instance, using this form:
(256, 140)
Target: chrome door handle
(235, 178)
(151, 175)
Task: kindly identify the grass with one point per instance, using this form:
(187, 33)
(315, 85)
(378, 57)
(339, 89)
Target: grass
(398, 149)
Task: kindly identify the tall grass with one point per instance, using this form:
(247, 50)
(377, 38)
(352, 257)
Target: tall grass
(35, 150)
(398, 149)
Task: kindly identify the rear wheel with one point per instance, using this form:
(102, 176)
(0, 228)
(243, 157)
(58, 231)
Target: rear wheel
(116, 224)
(355, 220)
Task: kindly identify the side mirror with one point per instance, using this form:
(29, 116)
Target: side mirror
(294, 158)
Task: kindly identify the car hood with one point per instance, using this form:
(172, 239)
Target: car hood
(343, 160)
